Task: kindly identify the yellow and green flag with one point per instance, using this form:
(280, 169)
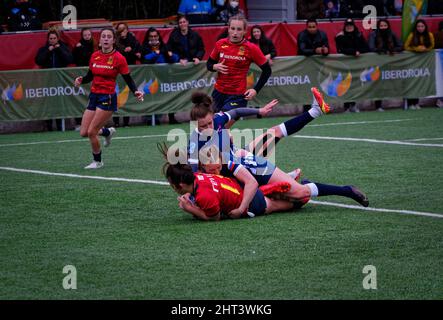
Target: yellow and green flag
(412, 9)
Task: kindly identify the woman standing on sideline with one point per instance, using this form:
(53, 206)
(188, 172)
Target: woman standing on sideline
(104, 67)
(420, 40)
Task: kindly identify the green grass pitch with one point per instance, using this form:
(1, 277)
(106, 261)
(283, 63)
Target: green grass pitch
(129, 240)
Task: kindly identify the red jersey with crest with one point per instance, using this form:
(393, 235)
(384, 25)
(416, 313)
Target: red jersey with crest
(214, 194)
(238, 58)
(106, 67)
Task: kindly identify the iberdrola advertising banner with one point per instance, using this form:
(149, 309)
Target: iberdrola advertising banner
(50, 93)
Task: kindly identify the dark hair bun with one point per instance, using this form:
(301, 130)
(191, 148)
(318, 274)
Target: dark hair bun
(201, 98)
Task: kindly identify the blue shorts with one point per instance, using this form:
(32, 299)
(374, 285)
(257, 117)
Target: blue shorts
(226, 102)
(257, 206)
(106, 102)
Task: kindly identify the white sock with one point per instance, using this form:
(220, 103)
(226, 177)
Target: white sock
(315, 110)
(283, 129)
(314, 189)
(292, 174)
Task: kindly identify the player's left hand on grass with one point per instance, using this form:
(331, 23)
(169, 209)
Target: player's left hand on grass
(268, 108)
(139, 95)
(236, 213)
(250, 94)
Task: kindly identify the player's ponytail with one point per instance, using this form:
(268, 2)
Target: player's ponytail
(202, 105)
(175, 171)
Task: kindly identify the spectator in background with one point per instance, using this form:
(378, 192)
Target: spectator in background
(23, 17)
(197, 11)
(231, 9)
(84, 48)
(154, 50)
(420, 40)
(439, 45)
(384, 7)
(332, 10)
(312, 41)
(127, 44)
(266, 45)
(350, 41)
(82, 54)
(398, 6)
(384, 41)
(310, 9)
(435, 7)
(186, 43)
(130, 48)
(55, 54)
(351, 8)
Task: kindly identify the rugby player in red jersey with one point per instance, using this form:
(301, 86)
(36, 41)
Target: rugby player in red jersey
(104, 67)
(214, 197)
(231, 59)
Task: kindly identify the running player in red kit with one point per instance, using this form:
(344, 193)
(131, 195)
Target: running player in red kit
(231, 58)
(104, 67)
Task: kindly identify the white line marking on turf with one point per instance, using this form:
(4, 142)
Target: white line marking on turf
(416, 213)
(69, 175)
(165, 135)
(162, 183)
(425, 139)
(370, 140)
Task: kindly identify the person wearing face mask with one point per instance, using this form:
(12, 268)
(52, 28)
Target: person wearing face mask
(154, 50)
(351, 42)
(231, 9)
(384, 41)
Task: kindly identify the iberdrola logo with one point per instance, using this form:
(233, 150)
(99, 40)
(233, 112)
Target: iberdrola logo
(150, 87)
(370, 75)
(250, 80)
(13, 93)
(336, 87)
(122, 97)
(335, 78)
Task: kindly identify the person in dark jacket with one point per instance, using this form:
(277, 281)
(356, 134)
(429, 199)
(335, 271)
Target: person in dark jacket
(84, 48)
(266, 45)
(82, 54)
(384, 41)
(130, 48)
(312, 41)
(127, 44)
(154, 50)
(350, 41)
(185, 42)
(55, 54)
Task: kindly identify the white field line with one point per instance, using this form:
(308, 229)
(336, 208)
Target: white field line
(403, 143)
(424, 139)
(165, 135)
(162, 183)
